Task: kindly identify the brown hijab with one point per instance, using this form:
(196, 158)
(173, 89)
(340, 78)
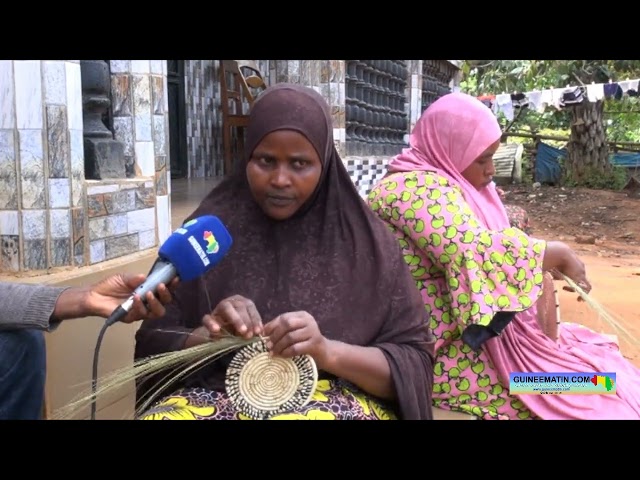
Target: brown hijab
(334, 258)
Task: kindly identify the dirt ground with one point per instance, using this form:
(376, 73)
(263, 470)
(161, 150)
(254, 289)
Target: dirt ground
(603, 227)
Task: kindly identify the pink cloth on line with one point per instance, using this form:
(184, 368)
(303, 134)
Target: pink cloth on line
(448, 137)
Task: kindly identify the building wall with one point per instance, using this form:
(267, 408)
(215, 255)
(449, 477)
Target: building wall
(51, 218)
(41, 165)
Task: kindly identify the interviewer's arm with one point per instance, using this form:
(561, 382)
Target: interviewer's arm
(33, 306)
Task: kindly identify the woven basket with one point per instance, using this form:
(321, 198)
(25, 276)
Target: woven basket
(260, 385)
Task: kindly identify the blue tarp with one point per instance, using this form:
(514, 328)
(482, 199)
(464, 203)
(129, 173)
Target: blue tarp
(628, 160)
(548, 166)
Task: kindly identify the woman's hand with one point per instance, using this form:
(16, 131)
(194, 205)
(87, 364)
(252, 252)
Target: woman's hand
(296, 333)
(560, 258)
(237, 315)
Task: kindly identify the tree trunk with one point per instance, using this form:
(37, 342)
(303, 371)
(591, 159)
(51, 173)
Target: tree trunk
(587, 150)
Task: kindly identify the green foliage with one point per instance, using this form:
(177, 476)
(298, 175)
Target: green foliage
(622, 117)
(615, 179)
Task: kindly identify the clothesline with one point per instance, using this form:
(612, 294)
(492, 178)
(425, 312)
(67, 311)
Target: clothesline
(559, 98)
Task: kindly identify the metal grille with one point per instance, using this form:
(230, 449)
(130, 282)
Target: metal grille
(436, 75)
(376, 121)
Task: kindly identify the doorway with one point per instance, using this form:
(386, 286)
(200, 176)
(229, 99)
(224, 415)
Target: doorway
(177, 119)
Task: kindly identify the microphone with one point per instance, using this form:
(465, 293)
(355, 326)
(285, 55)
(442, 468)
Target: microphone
(193, 249)
(188, 253)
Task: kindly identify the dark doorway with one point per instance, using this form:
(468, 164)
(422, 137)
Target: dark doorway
(177, 119)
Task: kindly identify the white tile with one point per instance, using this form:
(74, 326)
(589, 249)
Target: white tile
(74, 95)
(60, 221)
(156, 66)
(142, 108)
(97, 251)
(145, 159)
(146, 239)
(164, 218)
(116, 224)
(100, 188)
(7, 95)
(76, 147)
(55, 83)
(32, 168)
(59, 193)
(159, 139)
(9, 223)
(123, 127)
(140, 66)
(28, 88)
(120, 66)
(34, 224)
(140, 220)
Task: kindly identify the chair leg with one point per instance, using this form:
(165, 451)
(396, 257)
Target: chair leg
(226, 145)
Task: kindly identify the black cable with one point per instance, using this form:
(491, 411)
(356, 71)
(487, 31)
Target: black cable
(117, 314)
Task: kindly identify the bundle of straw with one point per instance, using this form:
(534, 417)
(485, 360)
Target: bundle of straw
(186, 361)
(608, 317)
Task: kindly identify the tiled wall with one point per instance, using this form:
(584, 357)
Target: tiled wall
(204, 117)
(41, 165)
(50, 216)
(325, 76)
(124, 215)
(121, 218)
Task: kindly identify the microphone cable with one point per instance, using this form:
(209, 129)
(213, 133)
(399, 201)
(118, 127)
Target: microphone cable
(117, 314)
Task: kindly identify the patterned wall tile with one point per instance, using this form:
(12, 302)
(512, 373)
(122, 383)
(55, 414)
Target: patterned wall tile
(32, 169)
(58, 141)
(55, 82)
(77, 223)
(8, 176)
(59, 193)
(74, 95)
(9, 241)
(28, 94)
(121, 95)
(9, 253)
(35, 255)
(142, 107)
(7, 95)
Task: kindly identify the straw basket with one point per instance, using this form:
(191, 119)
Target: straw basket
(260, 385)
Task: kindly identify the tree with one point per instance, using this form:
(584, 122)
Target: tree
(588, 149)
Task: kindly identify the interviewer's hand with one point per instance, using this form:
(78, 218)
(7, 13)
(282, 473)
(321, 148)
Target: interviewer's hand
(105, 296)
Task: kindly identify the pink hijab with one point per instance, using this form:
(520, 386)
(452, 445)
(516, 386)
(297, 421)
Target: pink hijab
(449, 136)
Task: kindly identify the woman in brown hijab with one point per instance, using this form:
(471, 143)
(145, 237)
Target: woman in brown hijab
(311, 269)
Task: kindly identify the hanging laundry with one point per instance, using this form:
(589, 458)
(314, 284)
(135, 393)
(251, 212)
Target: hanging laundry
(556, 97)
(546, 99)
(504, 104)
(630, 87)
(488, 100)
(595, 92)
(612, 90)
(519, 100)
(535, 101)
(572, 96)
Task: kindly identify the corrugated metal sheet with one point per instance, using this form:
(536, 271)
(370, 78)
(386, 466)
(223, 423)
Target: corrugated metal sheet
(508, 162)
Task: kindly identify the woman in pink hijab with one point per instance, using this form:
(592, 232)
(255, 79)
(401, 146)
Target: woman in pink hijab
(480, 278)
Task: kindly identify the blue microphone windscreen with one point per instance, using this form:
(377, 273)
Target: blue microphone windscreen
(197, 246)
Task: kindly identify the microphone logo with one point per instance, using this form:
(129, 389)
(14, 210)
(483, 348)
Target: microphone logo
(212, 244)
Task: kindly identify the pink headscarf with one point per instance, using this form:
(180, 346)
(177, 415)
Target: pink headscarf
(449, 136)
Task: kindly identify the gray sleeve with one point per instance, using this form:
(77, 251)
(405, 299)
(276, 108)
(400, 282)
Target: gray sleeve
(27, 306)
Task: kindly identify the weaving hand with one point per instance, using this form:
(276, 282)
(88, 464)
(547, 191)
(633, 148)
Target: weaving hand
(237, 315)
(295, 333)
